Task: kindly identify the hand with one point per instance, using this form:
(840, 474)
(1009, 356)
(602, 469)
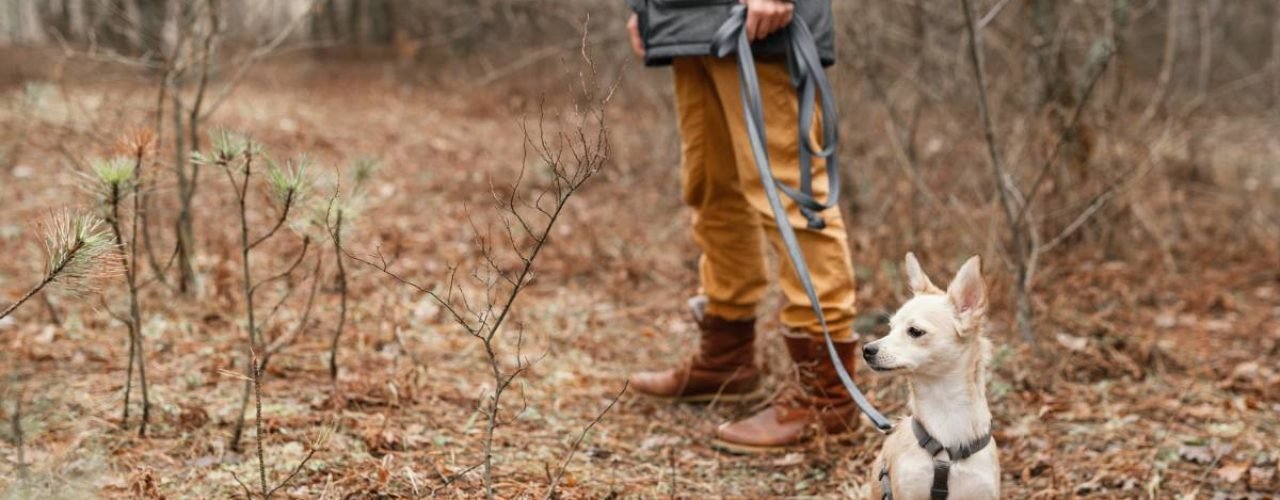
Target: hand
(766, 16)
(633, 29)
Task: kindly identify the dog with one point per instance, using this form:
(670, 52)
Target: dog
(937, 341)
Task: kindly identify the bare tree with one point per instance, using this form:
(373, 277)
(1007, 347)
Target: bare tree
(200, 32)
(1025, 243)
(568, 156)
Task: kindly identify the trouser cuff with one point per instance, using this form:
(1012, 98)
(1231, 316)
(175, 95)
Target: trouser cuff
(839, 333)
(731, 312)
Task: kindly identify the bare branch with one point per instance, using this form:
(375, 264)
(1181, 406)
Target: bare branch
(382, 267)
(284, 216)
(288, 338)
(992, 14)
(988, 125)
(258, 53)
(578, 442)
(1064, 137)
(302, 253)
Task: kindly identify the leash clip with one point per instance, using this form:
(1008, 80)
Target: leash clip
(816, 222)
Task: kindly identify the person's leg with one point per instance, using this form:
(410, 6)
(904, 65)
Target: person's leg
(731, 269)
(826, 251)
(818, 401)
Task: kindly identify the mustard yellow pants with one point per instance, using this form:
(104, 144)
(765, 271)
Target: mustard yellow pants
(732, 219)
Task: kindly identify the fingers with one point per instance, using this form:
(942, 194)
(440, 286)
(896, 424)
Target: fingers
(767, 21)
(633, 29)
(637, 46)
(775, 22)
(767, 16)
(755, 18)
(788, 12)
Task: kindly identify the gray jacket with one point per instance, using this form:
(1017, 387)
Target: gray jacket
(676, 28)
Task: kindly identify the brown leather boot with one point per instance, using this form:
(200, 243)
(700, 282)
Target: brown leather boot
(817, 403)
(723, 370)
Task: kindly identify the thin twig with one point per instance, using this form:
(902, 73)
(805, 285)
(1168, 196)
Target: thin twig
(296, 471)
(984, 111)
(54, 317)
(992, 14)
(335, 235)
(257, 399)
(1063, 137)
(15, 428)
(284, 340)
(284, 216)
(1084, 216)
(578, 442)
(302, 253)
(450, 480)
(258, 53)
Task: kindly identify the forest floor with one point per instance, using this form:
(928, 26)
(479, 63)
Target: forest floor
(1143, 383)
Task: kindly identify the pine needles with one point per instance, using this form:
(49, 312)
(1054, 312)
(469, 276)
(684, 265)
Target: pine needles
(78, 255)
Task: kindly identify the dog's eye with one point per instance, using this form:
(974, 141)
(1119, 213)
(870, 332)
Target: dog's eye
(915, 333)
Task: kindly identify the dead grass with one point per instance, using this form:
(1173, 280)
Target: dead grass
(1147, 382)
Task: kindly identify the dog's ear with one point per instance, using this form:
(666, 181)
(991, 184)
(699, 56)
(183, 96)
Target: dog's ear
(968, 294)
(916, 278)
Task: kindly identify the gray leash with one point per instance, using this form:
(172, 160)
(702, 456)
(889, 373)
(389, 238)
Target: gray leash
(808, 77)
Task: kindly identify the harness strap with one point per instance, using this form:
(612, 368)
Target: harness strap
(886, 487)
(942, 466)
(941, 471)
(958, 452)
(809, 77)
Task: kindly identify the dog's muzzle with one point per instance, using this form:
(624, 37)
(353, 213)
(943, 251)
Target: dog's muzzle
(869, 354)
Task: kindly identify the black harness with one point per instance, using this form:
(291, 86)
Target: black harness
(941, 465)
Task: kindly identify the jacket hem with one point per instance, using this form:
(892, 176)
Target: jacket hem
(663, 54)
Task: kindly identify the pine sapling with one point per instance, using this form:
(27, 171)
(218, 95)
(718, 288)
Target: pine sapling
(338, 216)
(78, 254)
(113, 181)
(285, 186)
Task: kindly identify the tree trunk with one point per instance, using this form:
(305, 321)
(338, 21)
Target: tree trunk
(1055, 86)
(1275, 57)
(152, 17)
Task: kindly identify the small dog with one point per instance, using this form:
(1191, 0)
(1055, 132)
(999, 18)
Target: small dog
(936, 340)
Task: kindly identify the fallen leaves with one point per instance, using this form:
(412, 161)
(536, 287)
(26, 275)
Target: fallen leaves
(1166, 382)
(789, 460)
(1072, 342)
(1231, 472)
(1253, 378)
(658, 441)
(1264, 478)
(1196, 454)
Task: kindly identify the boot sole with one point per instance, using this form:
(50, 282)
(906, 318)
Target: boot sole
(749, 449)
(755, 395)
(746, 449)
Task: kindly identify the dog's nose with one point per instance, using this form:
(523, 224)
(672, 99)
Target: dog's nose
(870, 350)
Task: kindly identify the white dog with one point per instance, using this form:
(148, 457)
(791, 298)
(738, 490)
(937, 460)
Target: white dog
(936, 341)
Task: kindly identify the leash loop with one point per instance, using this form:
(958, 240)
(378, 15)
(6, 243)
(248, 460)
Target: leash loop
(811, 82)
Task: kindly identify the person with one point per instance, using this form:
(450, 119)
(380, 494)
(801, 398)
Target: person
(732, 222)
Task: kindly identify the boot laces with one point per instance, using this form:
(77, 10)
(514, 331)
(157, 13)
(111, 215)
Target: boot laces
(791, 390)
